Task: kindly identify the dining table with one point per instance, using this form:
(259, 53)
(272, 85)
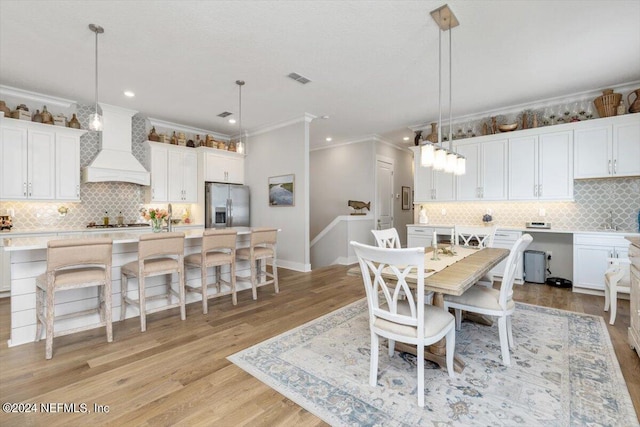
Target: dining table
(454, 271)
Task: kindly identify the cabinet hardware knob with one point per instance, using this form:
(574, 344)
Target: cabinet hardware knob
(615, 166)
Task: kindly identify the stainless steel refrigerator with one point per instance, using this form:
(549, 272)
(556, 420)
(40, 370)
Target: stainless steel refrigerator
(226, 205)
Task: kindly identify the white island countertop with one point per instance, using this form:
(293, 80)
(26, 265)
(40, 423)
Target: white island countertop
(30, 243)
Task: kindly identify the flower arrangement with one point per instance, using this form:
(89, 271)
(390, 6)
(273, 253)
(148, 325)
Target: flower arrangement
(487, 218)
(156, 216)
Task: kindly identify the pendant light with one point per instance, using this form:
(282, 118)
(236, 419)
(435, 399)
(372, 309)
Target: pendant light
(432, 155)
(95, 121)
(240, 145)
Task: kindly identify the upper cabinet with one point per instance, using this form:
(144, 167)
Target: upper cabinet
(608, 148)
(541, 167)
(174, 173)
(39, 162)
(430, 185)
(486, 175)
(222, 166)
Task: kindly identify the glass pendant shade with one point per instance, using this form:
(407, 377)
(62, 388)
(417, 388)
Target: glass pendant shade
(450, 165)
(240, 147)
(461, 166)
(427, 154)
(440, 159)
(95, 121)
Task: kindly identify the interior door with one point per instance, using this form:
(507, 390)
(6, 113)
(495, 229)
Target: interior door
(384, 194)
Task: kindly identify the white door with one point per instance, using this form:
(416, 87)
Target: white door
(175, 176)
(384, 195)
(190, 180)
(493, 170)
(41, 170)
(13, 163)
(469, 184)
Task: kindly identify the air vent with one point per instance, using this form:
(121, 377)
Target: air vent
(300, 79)
(224, 114)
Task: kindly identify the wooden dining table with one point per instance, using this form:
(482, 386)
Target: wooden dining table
(451, 275)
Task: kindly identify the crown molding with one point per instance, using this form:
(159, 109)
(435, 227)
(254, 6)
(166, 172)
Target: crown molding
(163, 124)
(37, 97)
(306, 117)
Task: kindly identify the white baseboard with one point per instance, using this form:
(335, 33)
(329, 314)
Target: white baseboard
(296, 266)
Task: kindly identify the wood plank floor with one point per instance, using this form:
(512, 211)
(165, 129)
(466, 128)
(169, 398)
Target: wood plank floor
(177, 373)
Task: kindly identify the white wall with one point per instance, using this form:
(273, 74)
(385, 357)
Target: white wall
(337, 175)
(282, 151)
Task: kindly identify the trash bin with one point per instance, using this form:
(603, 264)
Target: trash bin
(534, 267)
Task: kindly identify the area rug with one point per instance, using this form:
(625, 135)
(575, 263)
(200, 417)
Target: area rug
(563, 372)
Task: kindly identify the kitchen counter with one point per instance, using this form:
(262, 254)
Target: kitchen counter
(26, 231)
(27, 259)
(536, 230)
(635, 241)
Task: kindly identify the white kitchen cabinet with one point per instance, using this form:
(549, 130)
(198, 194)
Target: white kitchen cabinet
(541, 167)
(590, 254)
(222, 166)
(422, 236)
(505, 240)
(174, 173)
(31, 168)
(486, 174)
(430, 185)
(608, 147)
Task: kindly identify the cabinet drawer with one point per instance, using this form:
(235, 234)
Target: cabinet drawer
(420, 231)
(510, 236)
(634, 254)
(600, 240)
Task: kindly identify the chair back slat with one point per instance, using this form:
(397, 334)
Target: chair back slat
(388, 238)
(159, 244)
(219, 239)
(397, 264)
(73, 252)
(481, 236)
(513, 260)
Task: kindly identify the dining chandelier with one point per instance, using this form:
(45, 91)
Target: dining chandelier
(95, 121)
(431, 154)
(240, 144)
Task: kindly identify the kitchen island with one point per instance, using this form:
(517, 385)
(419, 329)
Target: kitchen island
(28, 259)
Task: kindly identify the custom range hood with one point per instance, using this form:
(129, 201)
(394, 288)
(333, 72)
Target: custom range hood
(115, 162)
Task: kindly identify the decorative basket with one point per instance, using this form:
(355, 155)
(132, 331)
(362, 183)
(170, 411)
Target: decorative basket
(607, 103)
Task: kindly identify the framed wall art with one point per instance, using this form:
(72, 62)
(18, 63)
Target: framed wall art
(281, 190)
(406, 198)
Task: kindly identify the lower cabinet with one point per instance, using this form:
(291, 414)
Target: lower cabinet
(422, 236)
(634, 328)
(590, 254)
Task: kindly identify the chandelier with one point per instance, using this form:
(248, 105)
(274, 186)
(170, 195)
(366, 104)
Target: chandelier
(431, 154)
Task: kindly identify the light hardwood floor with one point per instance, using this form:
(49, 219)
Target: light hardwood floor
(177, 372)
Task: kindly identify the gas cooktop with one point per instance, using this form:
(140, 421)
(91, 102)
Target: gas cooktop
(116, 225)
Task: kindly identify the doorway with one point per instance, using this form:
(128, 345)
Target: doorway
(384, 193)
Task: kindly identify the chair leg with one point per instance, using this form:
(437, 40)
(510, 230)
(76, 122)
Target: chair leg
(606, 296)
(234, 297)
(181, 292)
(124, 287)
(504, 344)
(142, 304)
(458, 318)
(614, 305)
(254, 279)
(39, 313)
(49, 325)
(510, 333)
(392, 346)
(203, 280)
(450, 350)
(108, 315)
(274, 269)
(420, 362)
(373, 366)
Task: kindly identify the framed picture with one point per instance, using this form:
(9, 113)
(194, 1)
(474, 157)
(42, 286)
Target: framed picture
(281, 190)
(406, 198)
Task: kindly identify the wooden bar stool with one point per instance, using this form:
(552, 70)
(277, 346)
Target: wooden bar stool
(218, 249)
(74, 264)
(261, 247)
(158, 254)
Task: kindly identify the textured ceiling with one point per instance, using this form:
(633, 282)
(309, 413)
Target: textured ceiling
(373, 64)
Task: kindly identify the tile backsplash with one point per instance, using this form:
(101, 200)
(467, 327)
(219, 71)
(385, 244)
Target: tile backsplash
(593, 201)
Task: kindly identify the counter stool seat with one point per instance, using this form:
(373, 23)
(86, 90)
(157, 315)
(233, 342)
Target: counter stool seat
(262, 245)
(158, 254)
(218, 249)
(74, 264)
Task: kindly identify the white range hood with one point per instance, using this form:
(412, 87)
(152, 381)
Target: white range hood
(115, 162)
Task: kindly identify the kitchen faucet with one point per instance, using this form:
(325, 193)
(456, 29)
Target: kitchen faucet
(170, 214)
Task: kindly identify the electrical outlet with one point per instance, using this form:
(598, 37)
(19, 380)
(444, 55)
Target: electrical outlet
(444, 211)
(549, 254)
(542, 212)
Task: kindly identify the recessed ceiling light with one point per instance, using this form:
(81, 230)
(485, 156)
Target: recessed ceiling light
(406, 138)
(129, 94)
(328, 139)
(324, 117)
(232, 121)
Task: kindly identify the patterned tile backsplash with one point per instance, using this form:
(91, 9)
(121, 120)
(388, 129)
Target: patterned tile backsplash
(594, 200)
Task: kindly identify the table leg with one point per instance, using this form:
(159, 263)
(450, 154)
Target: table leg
(437, 352)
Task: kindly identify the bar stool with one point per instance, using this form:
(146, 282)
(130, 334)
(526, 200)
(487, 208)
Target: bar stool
(218, 249)
(74, 264)
(261, 247)
(158, 254)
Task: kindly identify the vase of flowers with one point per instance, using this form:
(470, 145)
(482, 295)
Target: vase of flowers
(157, 217)
(487, 219)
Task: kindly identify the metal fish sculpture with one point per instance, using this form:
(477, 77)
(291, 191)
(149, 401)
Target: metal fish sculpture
(356, 204)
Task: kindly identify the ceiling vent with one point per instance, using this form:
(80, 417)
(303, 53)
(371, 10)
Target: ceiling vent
(224, 114)
(300, 79)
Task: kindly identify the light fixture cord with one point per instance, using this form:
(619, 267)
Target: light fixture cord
(96, 71)
(240, 113)
(439, 84)
(450, 96)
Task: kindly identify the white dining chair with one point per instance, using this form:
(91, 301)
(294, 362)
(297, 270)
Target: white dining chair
(494, 302)
(387, 238)
(616, 280)
(408, 320)
(481, 237)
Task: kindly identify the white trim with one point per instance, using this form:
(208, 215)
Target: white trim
(389, 160)
(35, 96)
(306, 117)
(296, 266)
(368, 138)
(335, 222)
(180, 128)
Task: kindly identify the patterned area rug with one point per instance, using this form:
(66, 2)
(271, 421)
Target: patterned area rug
(564, 373)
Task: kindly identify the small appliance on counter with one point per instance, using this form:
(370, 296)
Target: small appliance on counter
(538, 224)
(226, 205)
